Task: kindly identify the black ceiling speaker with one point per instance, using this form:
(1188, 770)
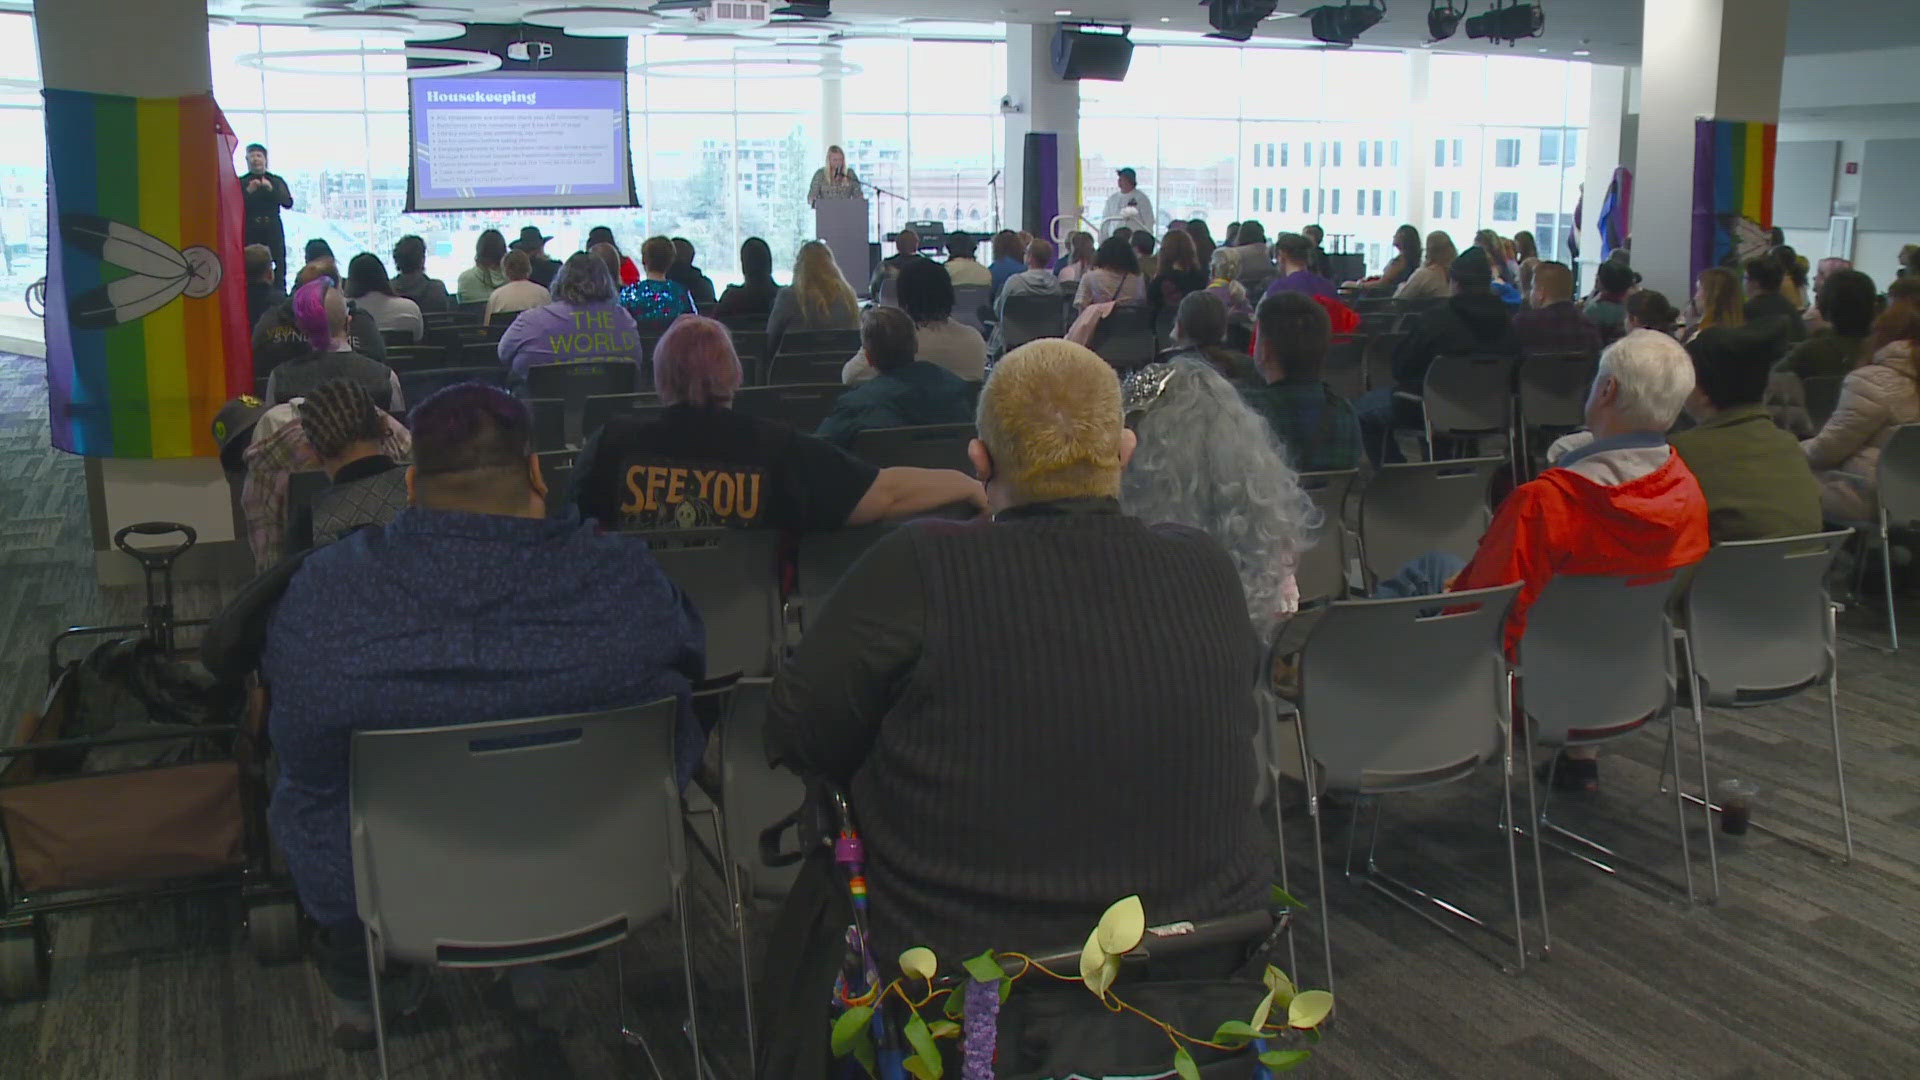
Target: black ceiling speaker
(804, 9)
(1235, 20)
(1081, 53)
(1508, 24)
(1443, 20)
(1339, 26)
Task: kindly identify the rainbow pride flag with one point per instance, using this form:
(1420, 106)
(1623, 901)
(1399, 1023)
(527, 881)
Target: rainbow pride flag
(1732, 191)
(146, 296)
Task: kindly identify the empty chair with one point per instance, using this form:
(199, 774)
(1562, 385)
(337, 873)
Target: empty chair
(968, 300)
(1345, 371)
(556, 468)
(1758, 628)
(440, 319)
(537, 840)
(392, 338)
(732, 577)
(807, 369)
(1440, 717)
(1378, 357)
(1322, 570)
(602, 407)
(845, 342)
(751, 346)
(1030, 316)
(1408, 510)
(929, 446)
(474, 310)
(573, 382)
(1898, 481)
(1597, 664)
(1553, 396)
(420, 385)
(1124, 338)
(1467, 397)
(799, 407)
(549, 423)
(403, 358)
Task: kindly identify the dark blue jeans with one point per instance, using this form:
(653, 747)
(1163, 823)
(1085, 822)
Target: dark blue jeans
(1380, 413)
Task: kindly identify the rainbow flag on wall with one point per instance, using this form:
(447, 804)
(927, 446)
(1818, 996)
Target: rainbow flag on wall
(1732, 191)
(146, 296)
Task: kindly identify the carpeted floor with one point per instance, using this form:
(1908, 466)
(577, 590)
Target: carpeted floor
(1805, 968)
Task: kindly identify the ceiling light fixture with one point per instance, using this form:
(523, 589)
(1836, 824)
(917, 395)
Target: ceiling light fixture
(1236, 20)
(1583, 52)
(1509, 24)
(456, 61)
(591, 18)
(1443, 19)
(1339, 26)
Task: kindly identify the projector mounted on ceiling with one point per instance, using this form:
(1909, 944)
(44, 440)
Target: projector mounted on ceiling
(733, 13)
(1339, 26)
(1235, 20)
(1508, 24)
(1443, 20)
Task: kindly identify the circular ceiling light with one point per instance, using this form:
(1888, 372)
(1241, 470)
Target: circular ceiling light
(808, 30)
(721, 68)
(923, 26)
(364, 22)
(296, 61)
(789, 54)
(591, 18)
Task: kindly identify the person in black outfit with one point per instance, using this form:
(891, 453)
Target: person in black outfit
(1472, 321)
(262, 294)
(757, 291)
(961, 665)
(535, 245)
(688, 274)
(1317, 260)
(1768, 308)
(265, 195)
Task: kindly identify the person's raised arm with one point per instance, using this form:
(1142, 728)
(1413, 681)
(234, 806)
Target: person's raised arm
(902, 490)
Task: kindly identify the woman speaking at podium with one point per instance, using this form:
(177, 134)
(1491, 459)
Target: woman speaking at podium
(835, 181)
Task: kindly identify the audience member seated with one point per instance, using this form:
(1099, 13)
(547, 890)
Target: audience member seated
(1036, 280)
(1754, 476)
(318, 250)
(1827, 268)
(818, 299)
(1875, 398)
(1504, 271)
(1430, 282)
(478, 281)
(263, 289)
(1472, 322)
(1077, 260)
(906, 252)
(1648, 309)
(1766, 303)
(280, 449)
(905, 392)
(1203, 242)
(1009, 256)
(1200, 335)
(655, 301)
(519, 293)
(1613, 280)
(410, 278)
(1553, 324)
(1177, 273)
(1526, 259)
(367, 286)
(1115, 277)
(700, 464)
(1295, 275)
(581, 322)
(962, 267)
(625, 273)
(1207, 461)
(1223, 283)
(962, 665)
(1256, 255)
(1406, 242)
(473, 605)
(1793, 275)
(320, 314)
(1318, 262)
(926, 294)
(1142, 242)
(1317, 429)
(540, 266)
(276, 338)
(346, 431)
(687, 272)
(1847, 304)
(1625, 504)
(1717, 300)
(756, 292)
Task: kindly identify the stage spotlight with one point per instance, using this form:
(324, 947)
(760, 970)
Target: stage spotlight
(1339, 26)
(1508, 24)
(1442, 21)
(1235, 20)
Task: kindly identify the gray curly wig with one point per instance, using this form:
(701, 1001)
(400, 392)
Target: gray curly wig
(1207, 460)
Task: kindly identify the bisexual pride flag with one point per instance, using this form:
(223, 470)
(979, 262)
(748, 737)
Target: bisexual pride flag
(146, 297)
(1732, 191)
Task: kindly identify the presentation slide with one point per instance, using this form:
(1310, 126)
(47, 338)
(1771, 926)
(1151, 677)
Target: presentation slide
(530, 140)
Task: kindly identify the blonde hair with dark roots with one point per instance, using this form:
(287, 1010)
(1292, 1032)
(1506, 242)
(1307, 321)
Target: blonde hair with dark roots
(1050, 417)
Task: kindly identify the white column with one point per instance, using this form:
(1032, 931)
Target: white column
(154, 48)
(1611, 134)
(1419, 139)
(833, 113)
(1045, 103)
(1719, 59)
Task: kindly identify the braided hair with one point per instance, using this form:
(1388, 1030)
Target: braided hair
(337, 414)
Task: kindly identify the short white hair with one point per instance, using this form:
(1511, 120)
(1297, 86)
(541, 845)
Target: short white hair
(1653, 375)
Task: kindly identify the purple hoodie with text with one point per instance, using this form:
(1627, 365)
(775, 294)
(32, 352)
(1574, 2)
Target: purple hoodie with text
(558, 332)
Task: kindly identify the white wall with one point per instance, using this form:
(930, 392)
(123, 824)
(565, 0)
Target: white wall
(1875, 253)
(1839, 83)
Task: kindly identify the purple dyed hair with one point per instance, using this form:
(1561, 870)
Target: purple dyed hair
(470, 426)
(310, 313)
(694, 363)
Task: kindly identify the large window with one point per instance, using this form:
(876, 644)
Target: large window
(923, 125)
(23, 167)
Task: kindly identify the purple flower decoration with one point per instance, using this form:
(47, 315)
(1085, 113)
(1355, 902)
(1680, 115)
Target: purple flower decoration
(982, 1024)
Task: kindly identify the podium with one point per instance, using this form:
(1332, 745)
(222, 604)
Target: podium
(842, 225)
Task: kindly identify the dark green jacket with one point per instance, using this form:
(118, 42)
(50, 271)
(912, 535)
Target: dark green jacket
(1755, 476)
(920, 393)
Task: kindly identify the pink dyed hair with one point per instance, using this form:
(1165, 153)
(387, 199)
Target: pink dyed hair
(694, 363)
(310, 313)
